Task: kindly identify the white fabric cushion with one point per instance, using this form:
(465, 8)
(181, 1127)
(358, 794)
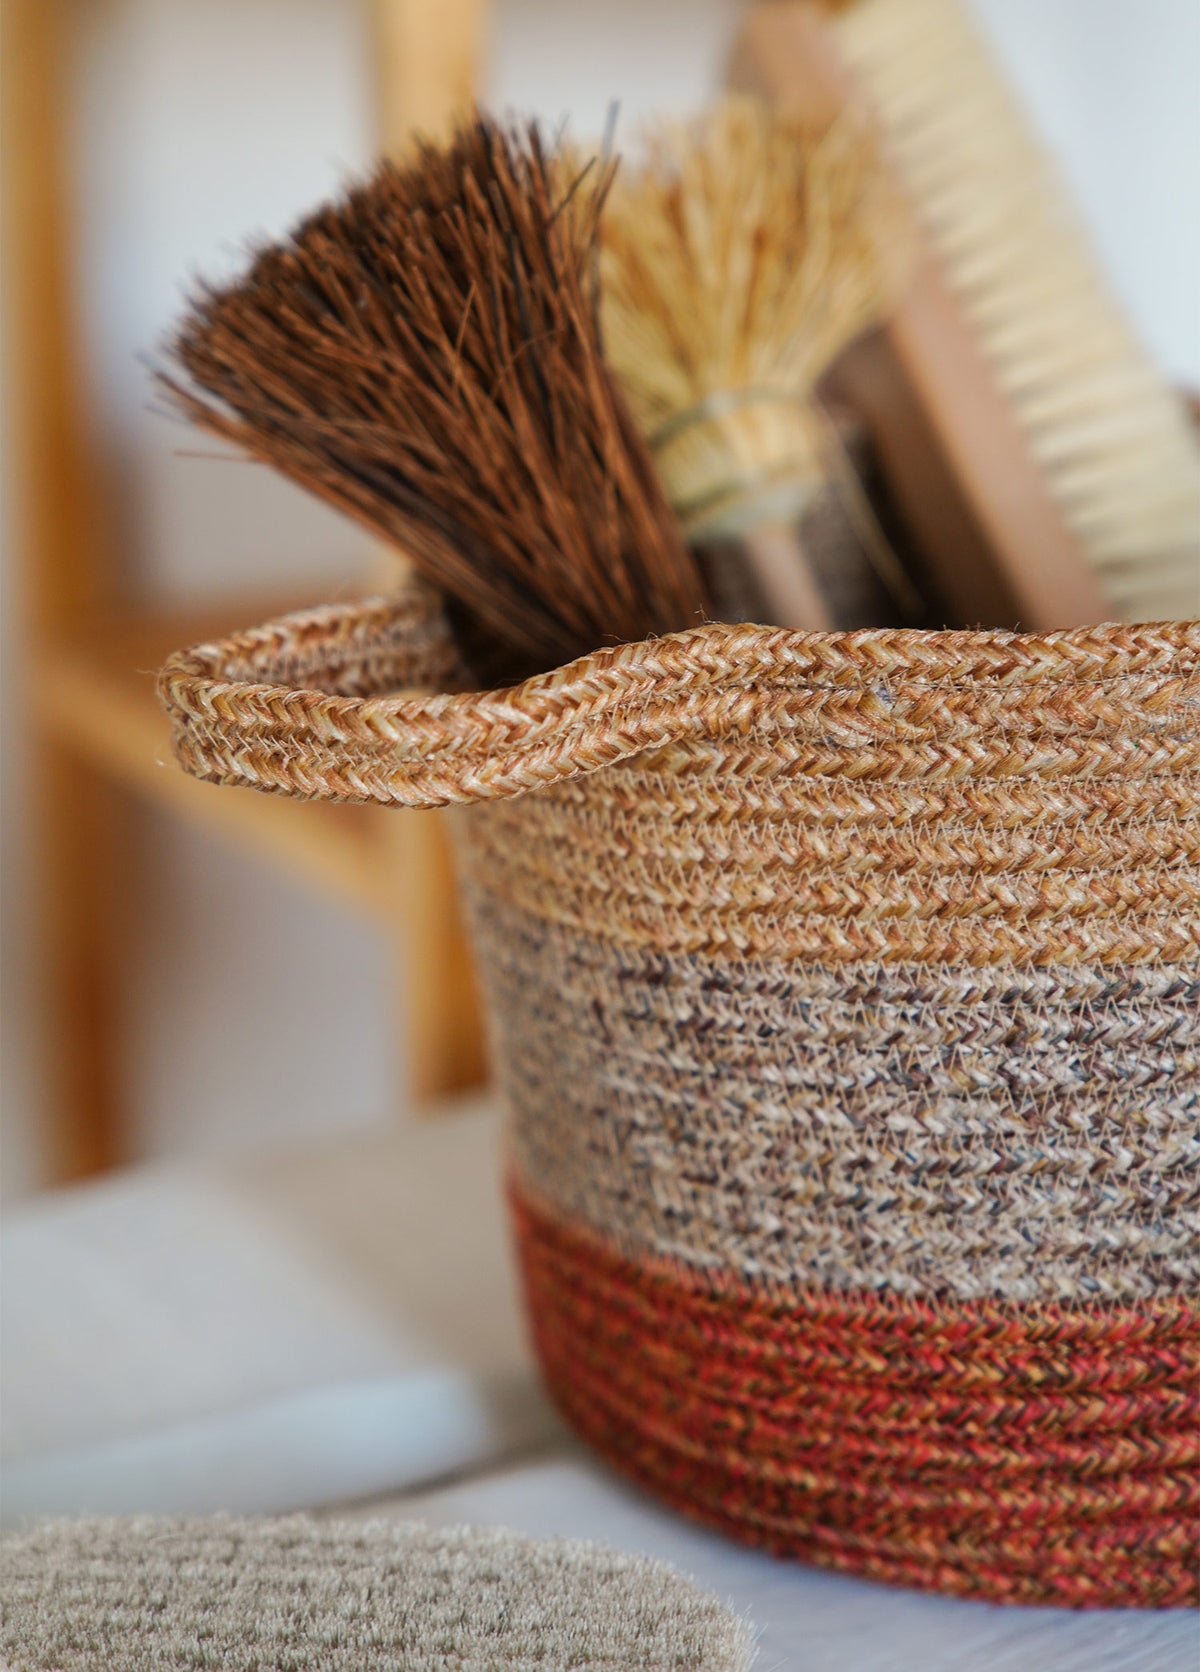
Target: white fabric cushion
(278, 1332)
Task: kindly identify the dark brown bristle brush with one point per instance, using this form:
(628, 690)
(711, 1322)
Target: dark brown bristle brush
(425, 354)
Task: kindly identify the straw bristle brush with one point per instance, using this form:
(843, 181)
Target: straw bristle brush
(740, 254)
(425, 354)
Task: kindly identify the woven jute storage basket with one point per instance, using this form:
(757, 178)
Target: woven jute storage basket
(844, 996)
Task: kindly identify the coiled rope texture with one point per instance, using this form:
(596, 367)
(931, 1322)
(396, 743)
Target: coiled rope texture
(844, 991)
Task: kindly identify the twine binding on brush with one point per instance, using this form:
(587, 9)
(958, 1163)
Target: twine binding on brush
(844, 995)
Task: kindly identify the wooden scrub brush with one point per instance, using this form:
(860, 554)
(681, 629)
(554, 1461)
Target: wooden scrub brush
(425, 354)
(740, 254)
(1050, 474)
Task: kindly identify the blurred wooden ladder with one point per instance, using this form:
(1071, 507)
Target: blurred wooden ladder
(97, 737)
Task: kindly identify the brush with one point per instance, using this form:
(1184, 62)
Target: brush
(1070, 457)
(739, 256)
(424, 353)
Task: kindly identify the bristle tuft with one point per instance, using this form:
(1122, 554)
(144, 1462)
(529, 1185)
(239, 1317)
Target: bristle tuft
(1112, 440)
(425, 354)
(740, 256)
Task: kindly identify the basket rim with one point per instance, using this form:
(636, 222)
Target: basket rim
(330, 703)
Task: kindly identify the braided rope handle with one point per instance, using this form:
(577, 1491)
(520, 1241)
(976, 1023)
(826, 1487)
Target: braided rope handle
(364, 702)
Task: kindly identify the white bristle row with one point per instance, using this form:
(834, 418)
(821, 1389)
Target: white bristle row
(1114, 441)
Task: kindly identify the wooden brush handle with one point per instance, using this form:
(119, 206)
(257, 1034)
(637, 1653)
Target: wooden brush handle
(783, 579)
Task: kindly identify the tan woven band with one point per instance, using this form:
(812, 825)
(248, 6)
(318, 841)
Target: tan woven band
(1024, 1133)
(310, 707)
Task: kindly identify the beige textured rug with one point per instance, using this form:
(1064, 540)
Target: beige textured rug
(299, 1595)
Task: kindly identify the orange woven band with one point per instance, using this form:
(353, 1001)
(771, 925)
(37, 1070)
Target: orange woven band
(1042, 1454)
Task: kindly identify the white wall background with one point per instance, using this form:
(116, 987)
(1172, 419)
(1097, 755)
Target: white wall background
(252, 1007)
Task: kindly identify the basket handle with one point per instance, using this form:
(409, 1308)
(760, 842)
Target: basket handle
(364, 702)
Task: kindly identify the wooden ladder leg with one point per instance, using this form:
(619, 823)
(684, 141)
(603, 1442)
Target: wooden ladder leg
(428, 65)
(442, 1028)
(428, 68)
(64, 577)
(80, 819)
